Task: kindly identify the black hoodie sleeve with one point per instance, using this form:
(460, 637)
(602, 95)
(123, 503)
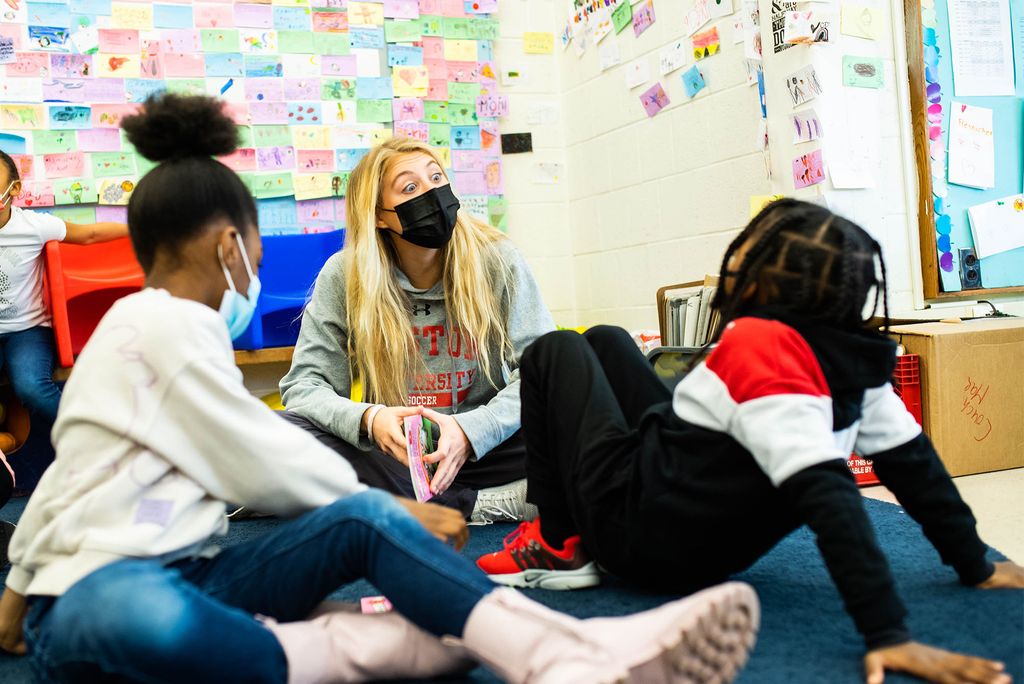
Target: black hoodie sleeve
(914, 473)
(825, 497)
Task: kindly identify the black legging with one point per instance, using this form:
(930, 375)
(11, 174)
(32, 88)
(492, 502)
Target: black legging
(503, 464)
(583, 398)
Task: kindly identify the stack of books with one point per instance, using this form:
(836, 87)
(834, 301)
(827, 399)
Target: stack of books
(689, 320)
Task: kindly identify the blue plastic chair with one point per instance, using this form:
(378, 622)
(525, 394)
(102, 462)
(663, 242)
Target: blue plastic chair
(290, 266)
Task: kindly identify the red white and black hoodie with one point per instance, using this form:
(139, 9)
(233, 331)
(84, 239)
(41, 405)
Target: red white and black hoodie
(755, 445)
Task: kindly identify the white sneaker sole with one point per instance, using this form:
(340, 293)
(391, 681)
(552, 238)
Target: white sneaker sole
(553, 580)
(709, 643)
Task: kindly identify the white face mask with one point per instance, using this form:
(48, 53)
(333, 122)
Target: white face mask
(5, 199)
(235, 308)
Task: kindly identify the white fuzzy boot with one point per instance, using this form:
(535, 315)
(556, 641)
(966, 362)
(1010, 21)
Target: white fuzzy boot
(702, 638)
(340, 644)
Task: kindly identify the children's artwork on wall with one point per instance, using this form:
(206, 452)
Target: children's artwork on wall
(608, 55)
(862, 72)
(804, 28)
(622, 16)
(638, 72)
(808, 170)
(861, 21)
(706, 44)
(654, 99)
(693, 81)
(779, 10)
(516, 143)
(538, 43)
(643, 16)
(672, 57)
(972, 146)
(312, 85)
(806, 126)
(602, 24)
(803, 85)
(697, 17)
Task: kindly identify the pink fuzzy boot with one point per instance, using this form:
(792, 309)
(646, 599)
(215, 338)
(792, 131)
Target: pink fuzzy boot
(702, 638)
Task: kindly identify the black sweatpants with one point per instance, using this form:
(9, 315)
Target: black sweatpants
(583, 397)
(503, 464)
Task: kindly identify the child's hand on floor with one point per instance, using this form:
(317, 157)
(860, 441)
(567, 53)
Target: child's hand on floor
(13, 607)
(447, 524)
(453, 449)
(932, 664)
(1008, 575)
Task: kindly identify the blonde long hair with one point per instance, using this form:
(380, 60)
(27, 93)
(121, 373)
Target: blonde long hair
(381, 346)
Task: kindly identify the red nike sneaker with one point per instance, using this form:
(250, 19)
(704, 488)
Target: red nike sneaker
(528, 561)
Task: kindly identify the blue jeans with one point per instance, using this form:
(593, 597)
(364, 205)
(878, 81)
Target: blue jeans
(28, 355)
(192, 621)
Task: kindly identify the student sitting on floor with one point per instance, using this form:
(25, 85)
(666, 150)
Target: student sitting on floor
(26, 340)
(156, 432)
(680, 490)
(429, 307)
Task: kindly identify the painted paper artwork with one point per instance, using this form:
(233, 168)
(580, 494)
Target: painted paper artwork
(806, 126)
(643, 16)
(803, 85)
(808, 170)
(654, 99)
(693, 81)
(862, 72)
(706, 44)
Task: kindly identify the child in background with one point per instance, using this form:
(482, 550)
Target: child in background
(680, 490)
(26, 340)
(157, 431)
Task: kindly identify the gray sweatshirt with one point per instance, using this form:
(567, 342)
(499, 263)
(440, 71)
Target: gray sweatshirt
(318, 385)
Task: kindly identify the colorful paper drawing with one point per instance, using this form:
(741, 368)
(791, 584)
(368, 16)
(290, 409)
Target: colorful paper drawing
(116, 191)
(242, 159)
(311, 137)
(64, 165)
(306, 113)
(706, 44)
(693, 81)
(672, 57)
(70, 66)
(465, 137)
(410, 81)
(111, 164)
(862, 72)
(492, 106)
(275, 158)
(806, 126)
(622, 16)
(75, 191)
(808, 170)
(374, 111)
(601, 22)
(408, 109)
(365, 14)
(270, 185)
(654, 99)
(538, 43)
(26, 64)
(35, 194)
(49, 38)
(346, 159)
(643, 16)
(696, 17)
(70, 116)
(803, 85)
(778, 17)
(416, 130)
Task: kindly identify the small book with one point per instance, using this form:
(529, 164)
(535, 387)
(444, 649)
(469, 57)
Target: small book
(692, 316)
(420, 436)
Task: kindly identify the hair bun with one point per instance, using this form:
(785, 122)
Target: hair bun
(172, 126)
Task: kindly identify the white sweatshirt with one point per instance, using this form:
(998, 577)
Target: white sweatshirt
(155, 432)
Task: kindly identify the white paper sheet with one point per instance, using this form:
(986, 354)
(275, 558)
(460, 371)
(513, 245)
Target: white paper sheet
(997, 226)
(979, 33)
(972, 155)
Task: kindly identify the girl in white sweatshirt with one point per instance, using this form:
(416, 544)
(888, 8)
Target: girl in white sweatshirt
(114, 573)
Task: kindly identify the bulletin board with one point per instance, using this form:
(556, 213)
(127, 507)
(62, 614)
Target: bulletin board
(943, 207)
(311, 84)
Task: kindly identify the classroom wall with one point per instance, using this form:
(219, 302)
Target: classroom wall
(654, 201)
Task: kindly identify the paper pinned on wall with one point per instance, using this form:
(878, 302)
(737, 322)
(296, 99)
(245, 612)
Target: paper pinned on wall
(622, 16)
(806, 126)
(602, 24)
(706, 43)
(803, 85)
(643, 16)
(698, 15)
(538, 43)
(979, 36)
(609, 55)
(971, 146)
(997, 226)
(862, 72)
(808, 169)
(720, 8)
(638, 72)
(861, 21)
(672, 57)
(654, 99)
(7, 55)
(548, 173)
(693, 81)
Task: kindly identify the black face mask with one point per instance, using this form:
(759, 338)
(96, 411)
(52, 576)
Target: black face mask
(428, 220)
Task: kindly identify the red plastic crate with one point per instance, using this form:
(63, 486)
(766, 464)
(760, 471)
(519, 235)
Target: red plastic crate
(906, 380)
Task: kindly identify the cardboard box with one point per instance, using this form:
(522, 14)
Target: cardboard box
(972, 381)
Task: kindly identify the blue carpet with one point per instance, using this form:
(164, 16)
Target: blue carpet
(805, 635)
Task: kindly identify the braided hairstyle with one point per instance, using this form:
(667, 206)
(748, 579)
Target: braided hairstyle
(806, 261)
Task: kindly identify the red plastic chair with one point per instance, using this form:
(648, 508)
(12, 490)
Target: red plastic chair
(84, 281)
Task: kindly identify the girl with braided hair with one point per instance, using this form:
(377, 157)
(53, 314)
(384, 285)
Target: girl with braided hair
(679, 490)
